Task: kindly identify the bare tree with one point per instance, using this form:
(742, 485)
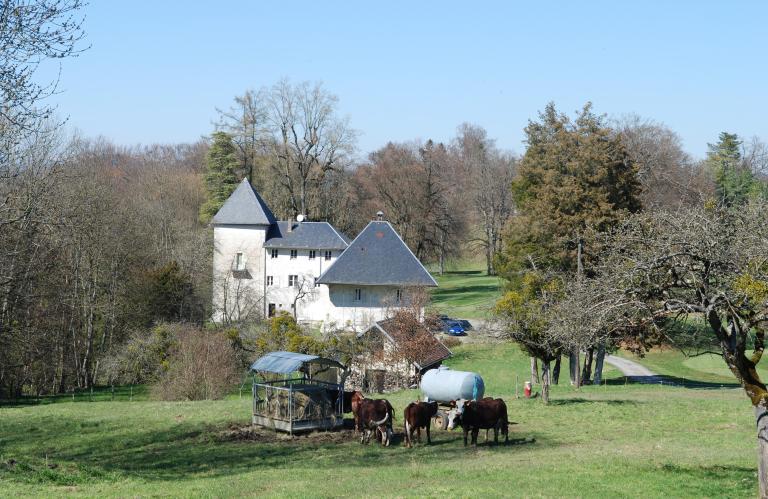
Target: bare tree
(307, 140)
(488, 173)
(670, 178)
(706, 263)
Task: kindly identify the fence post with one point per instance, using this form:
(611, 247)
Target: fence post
(517, 383)
(131, 399)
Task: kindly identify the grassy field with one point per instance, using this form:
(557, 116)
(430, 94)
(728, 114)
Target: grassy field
(612, 440)
(465, 292)
(675, 366)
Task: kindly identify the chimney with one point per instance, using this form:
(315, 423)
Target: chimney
(380, 215)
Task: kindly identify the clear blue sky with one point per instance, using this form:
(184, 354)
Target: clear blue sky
(157, 70)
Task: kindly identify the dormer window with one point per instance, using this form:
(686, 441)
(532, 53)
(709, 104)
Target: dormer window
(274, 253)
(294, 254)
(358, 294)
(312, 254)
(399, 296)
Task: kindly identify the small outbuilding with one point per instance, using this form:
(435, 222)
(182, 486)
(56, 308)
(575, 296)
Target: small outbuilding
(298, 392)
(394, 354)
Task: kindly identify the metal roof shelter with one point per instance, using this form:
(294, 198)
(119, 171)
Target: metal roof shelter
(288, 362)
(314, 400)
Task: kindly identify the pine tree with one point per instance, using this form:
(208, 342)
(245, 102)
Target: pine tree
(221, 174)
(574, 175)
(734, 181)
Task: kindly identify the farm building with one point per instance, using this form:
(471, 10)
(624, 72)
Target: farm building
(298, 392)
(394, 355)
(262, 266)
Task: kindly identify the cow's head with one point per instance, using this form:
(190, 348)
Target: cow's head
(454, 415)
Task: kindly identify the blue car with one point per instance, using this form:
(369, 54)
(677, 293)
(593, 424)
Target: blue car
(453, 328)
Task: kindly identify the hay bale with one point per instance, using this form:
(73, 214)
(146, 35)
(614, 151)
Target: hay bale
(309, 402)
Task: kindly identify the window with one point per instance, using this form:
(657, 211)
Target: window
(294, 254)
(317, 284)
(358, 294)
(398, 296)
(274, 253)
(239, 262)
(270, 280)
(293, 280)
(328, 255)
(312, 254)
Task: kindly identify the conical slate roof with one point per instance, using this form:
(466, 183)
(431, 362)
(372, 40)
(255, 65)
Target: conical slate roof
(378, 256)
(244, 207)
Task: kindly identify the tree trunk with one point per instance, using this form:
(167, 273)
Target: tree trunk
(599, 364)
(761, 416)
(534, 370)
(556, 371)
(586, 373)
(574, 367)
(545, 381)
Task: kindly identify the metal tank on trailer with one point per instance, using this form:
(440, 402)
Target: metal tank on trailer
(443, 385)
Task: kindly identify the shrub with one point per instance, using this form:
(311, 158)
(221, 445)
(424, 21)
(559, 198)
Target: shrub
(201, 366)
(450, 341)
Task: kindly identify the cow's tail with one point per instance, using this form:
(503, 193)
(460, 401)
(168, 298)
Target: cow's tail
(379, 423)
(391, 410)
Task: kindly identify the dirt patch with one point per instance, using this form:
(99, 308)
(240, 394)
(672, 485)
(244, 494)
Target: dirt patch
(235, 432)
(252, 433)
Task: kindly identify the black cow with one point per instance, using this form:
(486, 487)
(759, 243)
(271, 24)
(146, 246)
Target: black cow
(418, 415)
(375, 415)
(474, 415)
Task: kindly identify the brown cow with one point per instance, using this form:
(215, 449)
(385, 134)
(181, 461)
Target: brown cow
(376, 415)
(418, 415)
(357, 398)
(482, 414)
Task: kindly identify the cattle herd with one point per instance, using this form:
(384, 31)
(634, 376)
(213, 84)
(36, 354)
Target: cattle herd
(376, 416)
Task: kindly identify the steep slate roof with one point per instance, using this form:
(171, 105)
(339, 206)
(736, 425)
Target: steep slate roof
(431, 350)
(244, 207)
(305, 235)
(378, 256)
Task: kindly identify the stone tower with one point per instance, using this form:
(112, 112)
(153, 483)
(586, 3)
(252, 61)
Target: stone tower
(240, 229)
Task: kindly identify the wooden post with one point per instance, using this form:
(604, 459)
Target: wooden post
(131, 399)
(517, 386)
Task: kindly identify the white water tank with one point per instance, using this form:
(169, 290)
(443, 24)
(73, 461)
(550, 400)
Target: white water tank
(444, 384)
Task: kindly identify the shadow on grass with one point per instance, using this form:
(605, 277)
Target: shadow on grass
(188, 449)
(699, 480)
(123, 393)
(663, 380)
(465, 290)
(466, 272)
(572, 401)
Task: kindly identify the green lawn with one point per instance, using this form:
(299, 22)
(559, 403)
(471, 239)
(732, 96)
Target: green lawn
(466, 292)
(707, 368)
(607, 441)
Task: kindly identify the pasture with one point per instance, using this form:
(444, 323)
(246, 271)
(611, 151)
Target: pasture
(612, 440)
(465, 292)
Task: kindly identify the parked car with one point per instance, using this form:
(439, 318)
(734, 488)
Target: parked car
(465, 324)
(453, 328)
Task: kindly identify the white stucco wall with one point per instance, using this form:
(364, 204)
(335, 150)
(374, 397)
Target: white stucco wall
(314, 305)
(238, 294)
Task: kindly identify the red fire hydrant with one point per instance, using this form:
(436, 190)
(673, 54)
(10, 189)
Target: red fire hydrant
(527, 389)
